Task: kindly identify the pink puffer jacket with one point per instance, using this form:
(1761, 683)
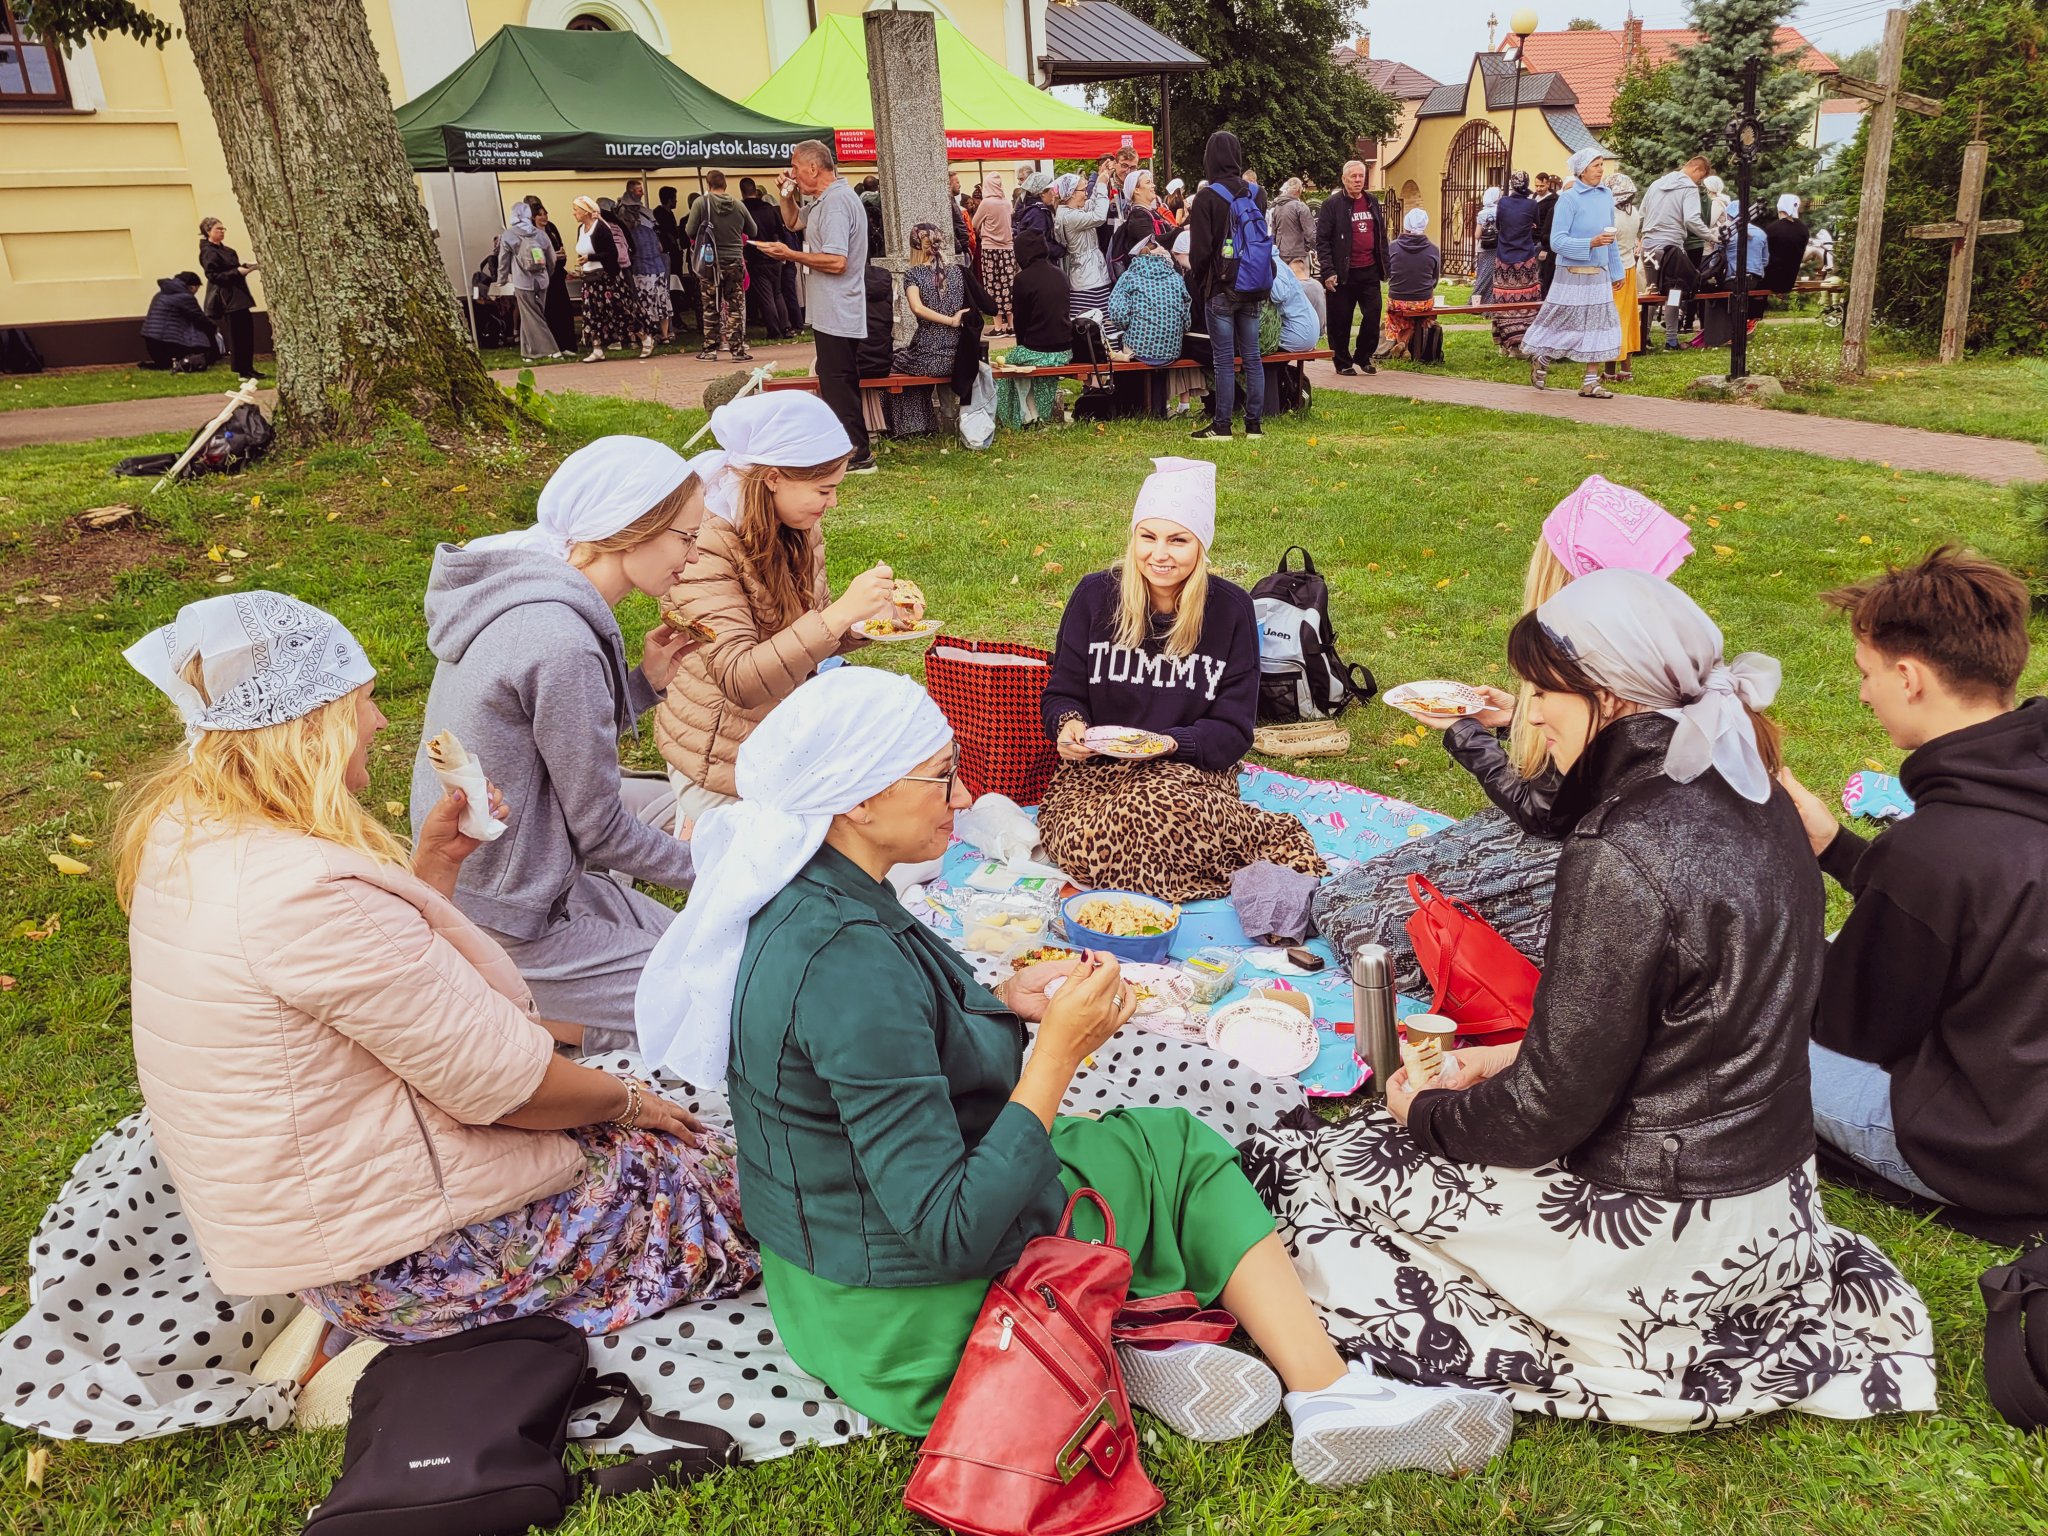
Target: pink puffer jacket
(323, 1042)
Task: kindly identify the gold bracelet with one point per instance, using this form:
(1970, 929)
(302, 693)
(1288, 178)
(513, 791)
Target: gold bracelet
(628, 1118)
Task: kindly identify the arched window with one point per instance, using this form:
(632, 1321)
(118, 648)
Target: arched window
(636, 16)
(585, 22)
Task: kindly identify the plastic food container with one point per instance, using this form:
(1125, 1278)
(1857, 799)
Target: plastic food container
(1144, 947)
(1213, 970)
(1002, 922)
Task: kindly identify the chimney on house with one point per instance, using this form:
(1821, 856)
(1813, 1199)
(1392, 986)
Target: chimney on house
(1631, 42)
(1362, 45)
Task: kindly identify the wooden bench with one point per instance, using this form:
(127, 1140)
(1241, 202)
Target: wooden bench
(1647, 300)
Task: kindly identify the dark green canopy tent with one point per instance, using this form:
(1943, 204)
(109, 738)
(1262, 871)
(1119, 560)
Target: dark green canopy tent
(532, 99)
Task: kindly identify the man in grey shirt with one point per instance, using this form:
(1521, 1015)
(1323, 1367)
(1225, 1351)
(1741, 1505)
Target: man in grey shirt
(836, 252)
(1671, 209)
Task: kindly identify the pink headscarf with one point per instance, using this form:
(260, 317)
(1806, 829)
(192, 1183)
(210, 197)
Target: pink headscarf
(1603, 526)
(992, 185)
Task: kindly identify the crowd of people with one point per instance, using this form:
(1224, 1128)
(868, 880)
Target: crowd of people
(359, 1055)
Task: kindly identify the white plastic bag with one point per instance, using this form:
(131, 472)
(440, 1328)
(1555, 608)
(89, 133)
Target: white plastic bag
(997, 825)
(978, 416)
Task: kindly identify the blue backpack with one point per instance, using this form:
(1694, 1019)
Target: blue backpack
(1248, 247)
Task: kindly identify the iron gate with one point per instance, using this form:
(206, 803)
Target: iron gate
(1478, 160)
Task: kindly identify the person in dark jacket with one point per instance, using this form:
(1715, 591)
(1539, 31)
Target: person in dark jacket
(1035, 212)
(176, 331)
(1351, 246)
(1413, 266)
(1546, 210)
(1232, 314)
(1518, 265)
(1638, 1169)
(764, 285)
(1045, 336)
(1930, 1056)
(1785, 243)
(1503, 860)
(229, 303)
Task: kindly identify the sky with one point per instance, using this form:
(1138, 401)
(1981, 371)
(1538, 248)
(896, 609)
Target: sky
(1439, 37)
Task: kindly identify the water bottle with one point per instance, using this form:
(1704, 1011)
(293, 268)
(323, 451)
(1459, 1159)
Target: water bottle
(1372, 1001)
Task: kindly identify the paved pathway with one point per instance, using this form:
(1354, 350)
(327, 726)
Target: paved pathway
(1997, 460)
(678, 379)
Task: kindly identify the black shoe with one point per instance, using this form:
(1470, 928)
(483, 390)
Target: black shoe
(866, 466)
(1347, 370)
(1254, 431)
(1369, 368)
(1207, 433)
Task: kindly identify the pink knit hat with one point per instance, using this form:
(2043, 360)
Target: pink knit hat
(1603, 526)
(1180, 491)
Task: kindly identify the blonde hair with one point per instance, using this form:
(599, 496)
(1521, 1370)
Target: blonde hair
(1134, 611)
(644, 529)
(1546, 577)
(781, 558)
(293, 777)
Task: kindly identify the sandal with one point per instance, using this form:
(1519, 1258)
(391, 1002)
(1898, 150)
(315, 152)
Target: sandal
(1592, 389)
(1539, 370)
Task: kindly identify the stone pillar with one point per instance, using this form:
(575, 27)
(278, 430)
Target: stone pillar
(910, 138)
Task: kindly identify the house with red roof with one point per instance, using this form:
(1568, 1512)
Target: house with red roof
(1406, 84)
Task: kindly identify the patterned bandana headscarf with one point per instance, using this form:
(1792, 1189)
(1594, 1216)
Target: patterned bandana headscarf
(265, 659)
(843, 737)
(1647, 642)
(1519, 182)
(1603, 526)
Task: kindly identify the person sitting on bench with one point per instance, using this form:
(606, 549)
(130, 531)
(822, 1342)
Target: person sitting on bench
(176, 330)
(1930, 1046)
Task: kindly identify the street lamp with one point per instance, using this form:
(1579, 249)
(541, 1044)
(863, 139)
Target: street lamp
(1522, 23)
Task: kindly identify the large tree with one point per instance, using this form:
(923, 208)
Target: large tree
(1687, 105)
(1271, 81)
(1987, 57)
(364, 321)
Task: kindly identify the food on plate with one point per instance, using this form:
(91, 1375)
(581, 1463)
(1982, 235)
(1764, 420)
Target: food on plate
(1041, 954)
(994, 933)
(909, 600)
(1125, 917)
(1435, 696)
(1125, 741)
(1433, 704)
(696, 629)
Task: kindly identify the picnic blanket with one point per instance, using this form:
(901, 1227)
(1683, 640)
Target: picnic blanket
(1349, 825)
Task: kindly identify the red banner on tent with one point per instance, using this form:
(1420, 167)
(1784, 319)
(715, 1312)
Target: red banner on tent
(857, 145)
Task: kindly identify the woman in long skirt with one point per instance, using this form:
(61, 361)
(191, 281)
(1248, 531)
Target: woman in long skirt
(1578, 319)
(1489, 248)
(1517, 268)
(1628, 237)
(998, 259)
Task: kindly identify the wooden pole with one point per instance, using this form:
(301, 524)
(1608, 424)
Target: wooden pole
(1962, 235)
(1877, 166)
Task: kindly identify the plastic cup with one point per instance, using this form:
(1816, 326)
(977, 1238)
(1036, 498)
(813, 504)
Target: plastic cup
(1425, 1037)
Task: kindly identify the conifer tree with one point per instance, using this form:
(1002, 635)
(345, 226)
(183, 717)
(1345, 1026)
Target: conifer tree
(1700, 93)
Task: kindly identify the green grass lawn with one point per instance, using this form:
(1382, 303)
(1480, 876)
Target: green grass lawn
(1422, 517)
(1984, 397)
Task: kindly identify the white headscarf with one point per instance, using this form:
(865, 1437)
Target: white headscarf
(1647, 642)
(265, 658)
(1131, 184)
(1489, 197)
(1064, 186)
(1415, 221)
(1175, 185)
(1183, 243)
(841, 738)
(790, 429)
(1788, 204)
(1586, 157)
(598, 490)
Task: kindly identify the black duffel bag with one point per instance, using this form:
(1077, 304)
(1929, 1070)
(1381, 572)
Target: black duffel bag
(464, 1436)
(2016, 1339)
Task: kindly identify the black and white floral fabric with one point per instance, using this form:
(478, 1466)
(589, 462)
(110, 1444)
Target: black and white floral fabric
(1578, 1301)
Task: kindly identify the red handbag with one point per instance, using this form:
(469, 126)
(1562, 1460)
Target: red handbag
(1035, 1436)
(991, 693)
(1483, 983)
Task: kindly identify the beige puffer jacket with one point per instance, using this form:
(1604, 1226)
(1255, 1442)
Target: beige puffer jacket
(722, 690)
(323, 1043)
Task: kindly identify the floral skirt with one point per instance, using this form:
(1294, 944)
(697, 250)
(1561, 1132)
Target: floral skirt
(998, 274)
(656, 310)
(612, 308)
(1020, 402)
(1515, 282)
(1406, 318)
(652, 1223)
(1583, 1302)
(1578, 320)
(1166, 829)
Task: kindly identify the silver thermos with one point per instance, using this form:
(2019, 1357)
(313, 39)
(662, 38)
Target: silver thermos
(1372, 1002)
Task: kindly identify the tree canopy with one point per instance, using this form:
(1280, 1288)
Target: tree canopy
(1271, 80)
(1972, 55)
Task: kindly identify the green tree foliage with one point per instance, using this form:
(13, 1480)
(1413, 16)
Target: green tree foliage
(1270, 80)
(1860, 62)
(71, 22)
(1688, 114)
(1970, 54)
(1583, 24)
(1635, 135)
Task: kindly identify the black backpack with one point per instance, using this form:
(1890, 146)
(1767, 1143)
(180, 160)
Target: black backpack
(2016, 1339)
(18, 352)
(1301, 676)
(464, 1435)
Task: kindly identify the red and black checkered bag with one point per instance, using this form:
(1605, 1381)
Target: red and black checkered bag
(991, 692)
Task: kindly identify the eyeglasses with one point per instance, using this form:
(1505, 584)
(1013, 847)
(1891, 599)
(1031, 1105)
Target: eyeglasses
(688, 537)
(952, 778)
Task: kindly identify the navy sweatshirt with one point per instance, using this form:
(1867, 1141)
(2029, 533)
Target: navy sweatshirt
(1207, 701)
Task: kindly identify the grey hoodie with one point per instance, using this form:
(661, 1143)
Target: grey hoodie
(1670, 208)
(532, 678)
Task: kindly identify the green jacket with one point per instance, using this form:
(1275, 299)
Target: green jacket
(870, 1081)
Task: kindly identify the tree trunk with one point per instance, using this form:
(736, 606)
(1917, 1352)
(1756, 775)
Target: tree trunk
(364, 319)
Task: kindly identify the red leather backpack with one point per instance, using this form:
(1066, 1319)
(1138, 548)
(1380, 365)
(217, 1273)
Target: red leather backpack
(1481, 980)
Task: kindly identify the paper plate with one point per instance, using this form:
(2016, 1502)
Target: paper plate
(882, 632)
(1437, 696)
(1273, 1038)
(1126, 742)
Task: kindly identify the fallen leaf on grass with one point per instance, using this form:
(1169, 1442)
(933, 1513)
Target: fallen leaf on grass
(54, 602)
(79, 840)
(1713, 522)
(34, 933)
(223, 578)
(1037, 550)
(238, 554)
(1873, 765)
(1444, 583)
(1596, 456)
(1400, 762)
(1372, 565)
(332, 516)
(460, 490)
(394, 807)
(1311, 442)
(217, 553)
(66, 865)
(1052, 568)
(256, 501)
(386, 481)
(1723, 549)
(1740, 505)
(7, 982)
(35, 1464)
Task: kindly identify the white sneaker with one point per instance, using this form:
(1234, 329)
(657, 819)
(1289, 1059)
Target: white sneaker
(1366, 1424)
(1203, 1391)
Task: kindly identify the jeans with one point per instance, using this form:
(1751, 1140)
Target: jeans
(1234, 335)
(839, 386)
(1852, 1112)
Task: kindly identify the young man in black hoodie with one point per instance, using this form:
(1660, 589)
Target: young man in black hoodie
(1232, 317)
(1930, 1053)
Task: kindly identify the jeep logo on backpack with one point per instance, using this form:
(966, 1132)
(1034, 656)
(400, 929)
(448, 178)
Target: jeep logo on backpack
(1301, 677)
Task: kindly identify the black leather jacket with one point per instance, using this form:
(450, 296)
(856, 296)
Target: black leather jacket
(1484, 755)
(1667, 1052)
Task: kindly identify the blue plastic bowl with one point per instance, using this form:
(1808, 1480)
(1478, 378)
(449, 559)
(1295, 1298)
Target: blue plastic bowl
(1146, 949)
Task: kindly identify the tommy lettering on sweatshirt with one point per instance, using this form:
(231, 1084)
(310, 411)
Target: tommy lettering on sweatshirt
(1196, 671)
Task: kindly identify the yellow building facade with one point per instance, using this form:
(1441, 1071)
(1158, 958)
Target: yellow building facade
(102, 191)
